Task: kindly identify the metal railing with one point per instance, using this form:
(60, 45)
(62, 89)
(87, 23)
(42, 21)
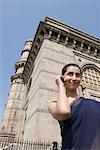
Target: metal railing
(11, 144)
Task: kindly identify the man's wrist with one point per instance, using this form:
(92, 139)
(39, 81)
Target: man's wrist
(61, 86)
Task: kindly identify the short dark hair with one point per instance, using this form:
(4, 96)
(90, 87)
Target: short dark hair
(64, 69)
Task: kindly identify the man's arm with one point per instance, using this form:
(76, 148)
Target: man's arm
(60, 109)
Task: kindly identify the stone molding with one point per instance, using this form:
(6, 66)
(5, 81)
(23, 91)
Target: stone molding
(25, 50)
(89, 66)
(19, 64)
(16, 76)
(88, 57)
(60, 33)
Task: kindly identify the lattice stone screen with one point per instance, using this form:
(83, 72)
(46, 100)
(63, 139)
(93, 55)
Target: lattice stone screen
(95, 97)
(91, 76)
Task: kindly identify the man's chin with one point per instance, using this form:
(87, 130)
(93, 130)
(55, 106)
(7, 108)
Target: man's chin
(73, 87)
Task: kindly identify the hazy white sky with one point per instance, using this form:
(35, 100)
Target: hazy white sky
(19, 20)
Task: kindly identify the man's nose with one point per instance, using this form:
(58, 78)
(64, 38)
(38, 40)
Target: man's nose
(74, 76)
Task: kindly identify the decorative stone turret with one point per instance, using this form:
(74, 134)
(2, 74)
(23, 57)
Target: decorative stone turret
(19, 66)
(16, 94)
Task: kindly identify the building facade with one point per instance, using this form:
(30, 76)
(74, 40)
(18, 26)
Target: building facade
(33, 84)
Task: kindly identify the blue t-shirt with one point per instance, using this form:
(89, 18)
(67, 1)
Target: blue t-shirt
(82, 130)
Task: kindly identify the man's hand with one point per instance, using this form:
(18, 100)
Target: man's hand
(59, 80)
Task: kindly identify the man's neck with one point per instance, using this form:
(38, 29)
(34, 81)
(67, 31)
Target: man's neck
(71, 93)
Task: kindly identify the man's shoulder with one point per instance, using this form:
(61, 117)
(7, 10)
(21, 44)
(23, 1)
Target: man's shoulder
(91, 100)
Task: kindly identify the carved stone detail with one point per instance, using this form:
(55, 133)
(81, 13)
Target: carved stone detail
(66, 41)
(19, 64)
(58, 38)
(95, 52)
(50, 33)
(16, 76)
(74, 44)
(88, 50)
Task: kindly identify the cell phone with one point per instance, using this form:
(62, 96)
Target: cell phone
(62, 79)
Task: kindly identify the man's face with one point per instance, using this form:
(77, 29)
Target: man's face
(72, 77)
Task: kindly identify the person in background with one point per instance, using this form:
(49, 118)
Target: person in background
(79, 118)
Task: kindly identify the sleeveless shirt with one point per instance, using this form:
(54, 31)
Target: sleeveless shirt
(82, 130)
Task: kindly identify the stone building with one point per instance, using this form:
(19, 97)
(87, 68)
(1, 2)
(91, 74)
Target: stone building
(33, 84)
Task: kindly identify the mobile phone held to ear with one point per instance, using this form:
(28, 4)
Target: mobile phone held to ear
(62, 79)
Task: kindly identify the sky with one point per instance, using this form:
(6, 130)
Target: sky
(19, 20)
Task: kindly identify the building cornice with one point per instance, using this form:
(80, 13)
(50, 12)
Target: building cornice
(70, 29)
(63, 34)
